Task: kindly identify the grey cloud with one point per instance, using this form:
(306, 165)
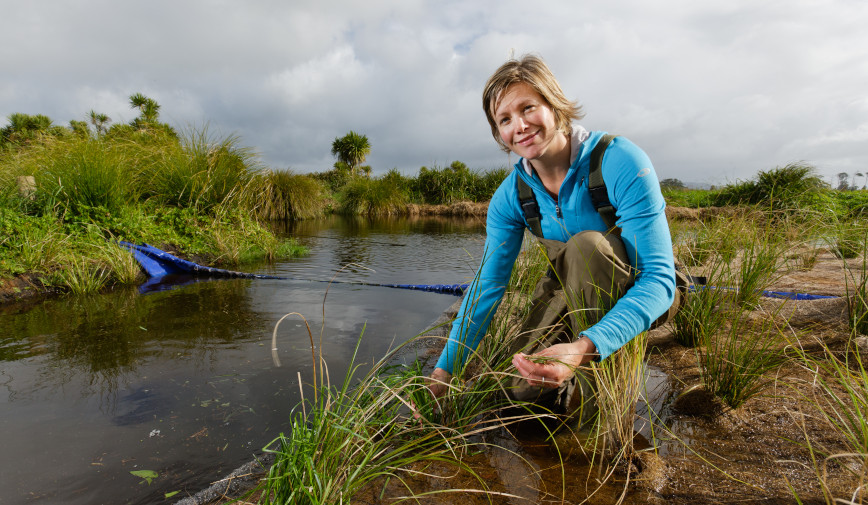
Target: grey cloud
(712, 91)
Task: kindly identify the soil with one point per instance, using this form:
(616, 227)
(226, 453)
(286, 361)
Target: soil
(22, 287)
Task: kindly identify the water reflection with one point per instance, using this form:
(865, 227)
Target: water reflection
(181, 382)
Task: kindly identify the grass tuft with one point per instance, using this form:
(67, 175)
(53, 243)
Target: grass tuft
(733, 364)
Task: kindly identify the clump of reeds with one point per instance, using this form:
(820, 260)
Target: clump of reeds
(345, 440)
(355, 435)
(121, 265)
(703, 312)
(30, 243)
(201, 172)
(839, 397)
(694, 245)
(856, 284)
(455, 183)
(363, 196)
(791, 187)
(734, 363)
(75, 173)
(620, 381)
(760, 261)
(848, 239)
(80, 275)
(284, 195)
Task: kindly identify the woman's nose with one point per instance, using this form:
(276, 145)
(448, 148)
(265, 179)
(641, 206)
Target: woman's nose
(520, 124)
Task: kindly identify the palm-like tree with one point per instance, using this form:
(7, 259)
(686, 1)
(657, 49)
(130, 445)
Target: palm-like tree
(149, 109)
(99, 121)
(351, 149)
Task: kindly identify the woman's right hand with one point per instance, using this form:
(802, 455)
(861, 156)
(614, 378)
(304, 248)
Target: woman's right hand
(438, 382)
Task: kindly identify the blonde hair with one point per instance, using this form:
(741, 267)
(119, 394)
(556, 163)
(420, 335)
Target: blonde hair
(531, 70)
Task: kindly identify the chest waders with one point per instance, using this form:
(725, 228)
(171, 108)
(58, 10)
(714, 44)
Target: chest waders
(587, 275)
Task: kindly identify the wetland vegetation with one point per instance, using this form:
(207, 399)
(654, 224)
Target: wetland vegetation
(766, 399)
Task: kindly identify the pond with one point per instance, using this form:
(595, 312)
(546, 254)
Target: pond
(180, 382)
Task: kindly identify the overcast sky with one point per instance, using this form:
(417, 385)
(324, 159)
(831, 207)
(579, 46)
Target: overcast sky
(713, 91)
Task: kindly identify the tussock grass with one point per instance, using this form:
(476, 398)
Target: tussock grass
(791, 187)
(620, 381)
(347, 439)
(857, 289)
(355, 435)
(703, 314)
(81, 275)
(368, 197)
(759, 266)
(839, 398)
(455, 183)
(201, 172)
(121, 265)
(695, 244)
(29, 243)
(283, 195)
(734, 363)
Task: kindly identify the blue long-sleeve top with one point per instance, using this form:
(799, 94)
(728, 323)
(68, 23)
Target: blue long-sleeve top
(634, 191)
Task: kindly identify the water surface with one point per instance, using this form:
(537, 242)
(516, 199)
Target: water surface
(181, 382)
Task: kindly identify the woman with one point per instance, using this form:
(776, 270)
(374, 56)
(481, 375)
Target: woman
(630, 278)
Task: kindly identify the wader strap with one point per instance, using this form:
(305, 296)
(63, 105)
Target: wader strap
(529, 207)
(596, 184)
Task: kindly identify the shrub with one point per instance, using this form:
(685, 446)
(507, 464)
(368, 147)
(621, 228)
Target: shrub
(286, 195)
(201, 172)
(793, 186)
(372, 196)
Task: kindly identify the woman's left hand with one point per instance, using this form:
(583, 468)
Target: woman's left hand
(553, 365)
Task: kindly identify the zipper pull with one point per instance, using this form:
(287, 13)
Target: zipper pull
(558, 211)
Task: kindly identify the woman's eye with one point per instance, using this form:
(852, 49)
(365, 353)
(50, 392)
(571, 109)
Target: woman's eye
(528, 108)
(504, 120)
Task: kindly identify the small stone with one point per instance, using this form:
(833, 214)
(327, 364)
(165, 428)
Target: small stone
(861, 345)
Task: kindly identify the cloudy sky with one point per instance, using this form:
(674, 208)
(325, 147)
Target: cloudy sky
(713, 91)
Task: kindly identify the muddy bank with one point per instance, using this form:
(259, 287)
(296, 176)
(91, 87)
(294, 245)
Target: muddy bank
(23, 287)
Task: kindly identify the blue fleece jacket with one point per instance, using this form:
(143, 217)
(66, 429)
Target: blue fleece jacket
(634, 191)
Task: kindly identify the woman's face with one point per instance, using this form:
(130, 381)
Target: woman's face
(526, 123)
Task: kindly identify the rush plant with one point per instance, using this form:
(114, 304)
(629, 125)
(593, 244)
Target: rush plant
(734, 363)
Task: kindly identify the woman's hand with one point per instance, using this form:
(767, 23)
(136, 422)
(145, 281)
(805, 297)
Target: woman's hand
(553, 365)
(438, 382)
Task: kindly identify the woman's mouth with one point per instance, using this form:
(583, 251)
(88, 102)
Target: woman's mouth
(527, 139)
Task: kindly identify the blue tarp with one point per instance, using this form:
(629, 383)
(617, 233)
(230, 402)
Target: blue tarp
(158, 263)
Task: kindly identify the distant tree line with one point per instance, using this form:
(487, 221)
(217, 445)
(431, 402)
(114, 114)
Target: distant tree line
(844, 183)
(25, 129)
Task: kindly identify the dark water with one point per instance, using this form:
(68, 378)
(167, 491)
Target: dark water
(182, 383)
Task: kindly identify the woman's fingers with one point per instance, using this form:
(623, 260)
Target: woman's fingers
(536, 374)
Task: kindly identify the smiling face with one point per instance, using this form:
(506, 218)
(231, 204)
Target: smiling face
(526, 123)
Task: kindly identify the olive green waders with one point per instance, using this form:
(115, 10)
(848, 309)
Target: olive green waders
(587, 275)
